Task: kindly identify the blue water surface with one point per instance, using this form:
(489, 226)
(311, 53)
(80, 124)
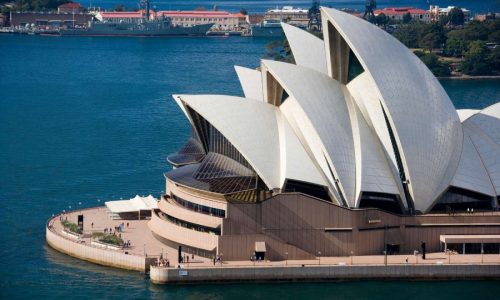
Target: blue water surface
(87, 119)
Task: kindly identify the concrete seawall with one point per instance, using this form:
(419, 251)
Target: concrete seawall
(96, 255)
(160, 275)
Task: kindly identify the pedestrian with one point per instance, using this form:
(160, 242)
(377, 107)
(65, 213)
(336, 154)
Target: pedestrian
(187, 258)
(407, 260)
(92, 225)
(192, 257)
(472, 211)
(120, 235)
(127, 224)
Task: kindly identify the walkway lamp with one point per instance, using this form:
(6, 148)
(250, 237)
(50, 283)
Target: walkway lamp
(352, 254)
(482, 254)
(319, 256)
(286, 261)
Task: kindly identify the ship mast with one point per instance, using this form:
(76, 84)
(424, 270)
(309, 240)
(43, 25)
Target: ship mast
(147, 11)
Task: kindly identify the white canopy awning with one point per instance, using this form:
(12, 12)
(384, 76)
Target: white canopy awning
(260, 246)
(135, 204)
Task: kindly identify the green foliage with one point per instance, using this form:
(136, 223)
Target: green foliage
(431, 40)
(476, 60)
(437, 67)
(456, 16)
(407, 18)
(108, 238)
(243, 11)
(419, 34)
(38, 5)
(455, 47)
(476, 30)
(280, 51)
(381, 19)
(494, 59)
(71, 227)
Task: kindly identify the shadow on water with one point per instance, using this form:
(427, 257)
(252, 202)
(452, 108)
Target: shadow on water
(68, 265)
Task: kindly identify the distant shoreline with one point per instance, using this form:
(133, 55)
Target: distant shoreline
(466, 77)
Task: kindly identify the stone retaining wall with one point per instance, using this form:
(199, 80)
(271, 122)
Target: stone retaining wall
(310, 273)
(96, 255)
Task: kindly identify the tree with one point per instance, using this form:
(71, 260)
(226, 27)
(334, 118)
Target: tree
(455, 47)
(382, 19)
(280, 51)
(437, 67)
(456, 16)
(494, 60)
(407, 18)
(476, 59)
(431, 41)
(119, 7)
(408, 35)
(243, 11)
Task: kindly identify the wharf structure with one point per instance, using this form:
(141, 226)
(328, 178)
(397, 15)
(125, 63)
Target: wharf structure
(354, 149)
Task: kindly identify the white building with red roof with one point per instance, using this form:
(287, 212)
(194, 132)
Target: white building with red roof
(397, 13)
(223, 20)
(70, 8)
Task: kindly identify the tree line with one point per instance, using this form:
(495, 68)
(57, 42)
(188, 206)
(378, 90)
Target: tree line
(468, 43)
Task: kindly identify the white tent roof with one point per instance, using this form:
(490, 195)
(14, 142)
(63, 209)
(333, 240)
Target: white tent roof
(135, 204)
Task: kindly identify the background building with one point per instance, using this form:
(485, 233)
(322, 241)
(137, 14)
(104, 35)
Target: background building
(49, 19)
(397, 13)
(437, 12)
(289, 14)
(70, 8)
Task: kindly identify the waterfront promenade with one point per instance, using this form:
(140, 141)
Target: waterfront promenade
(145, 251)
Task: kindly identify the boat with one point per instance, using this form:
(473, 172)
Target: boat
(143, 27)
(267, 28)
(156, 28)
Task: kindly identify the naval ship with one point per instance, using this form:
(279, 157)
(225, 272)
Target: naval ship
(145, 28)
(267, 28)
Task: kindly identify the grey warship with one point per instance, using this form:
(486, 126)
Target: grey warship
(145, 28)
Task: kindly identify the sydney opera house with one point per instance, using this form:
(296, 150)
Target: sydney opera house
(355, 148)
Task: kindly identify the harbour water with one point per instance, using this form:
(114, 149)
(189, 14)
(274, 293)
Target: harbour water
(83, 120)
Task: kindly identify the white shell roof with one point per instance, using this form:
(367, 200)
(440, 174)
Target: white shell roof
(307, 49)
(376, 174)
(464, 114)
(337, 135)
(323, 102)
(472, 174)
(484, 131)
(251, 82)
(258, 130)
(413, 98)
(364, 92)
